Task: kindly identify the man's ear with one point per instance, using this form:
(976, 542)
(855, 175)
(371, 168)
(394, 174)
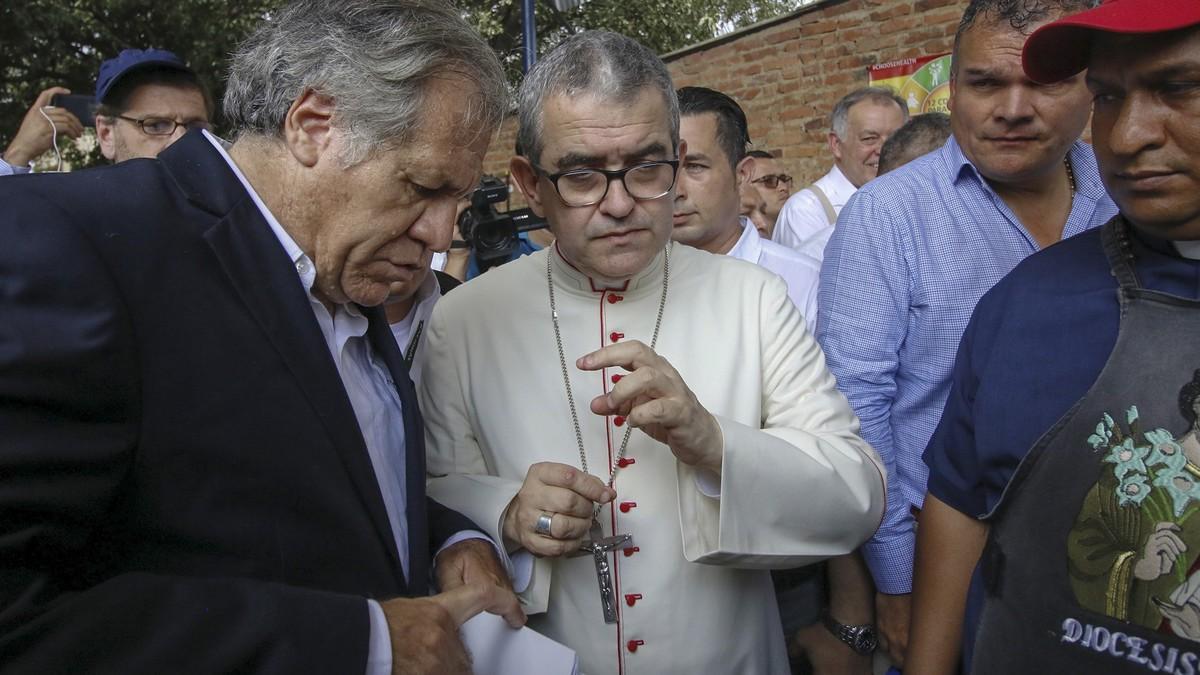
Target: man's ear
(526, 179)
(105, 136)
(681, 155)
(744, 171)
(308, 127)
(835, 146)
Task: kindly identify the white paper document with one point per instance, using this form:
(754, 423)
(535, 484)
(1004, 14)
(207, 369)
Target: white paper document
(497, 649)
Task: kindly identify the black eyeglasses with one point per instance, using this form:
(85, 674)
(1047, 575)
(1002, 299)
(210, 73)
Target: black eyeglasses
(163, 126)
(585, 187)
(772, 180)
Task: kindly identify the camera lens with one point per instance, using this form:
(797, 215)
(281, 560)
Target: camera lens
(494, 236)
(466, 223)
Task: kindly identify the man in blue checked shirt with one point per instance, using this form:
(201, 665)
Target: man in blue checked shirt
(914, 251)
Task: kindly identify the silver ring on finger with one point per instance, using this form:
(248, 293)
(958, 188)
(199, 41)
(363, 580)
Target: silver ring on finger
(542, 526)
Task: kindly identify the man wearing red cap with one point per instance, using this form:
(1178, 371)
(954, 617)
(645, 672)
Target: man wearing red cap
(914, 250)
(1066, 466)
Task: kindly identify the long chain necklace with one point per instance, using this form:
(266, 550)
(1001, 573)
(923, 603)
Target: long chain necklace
(562, 361)
(1070, 173)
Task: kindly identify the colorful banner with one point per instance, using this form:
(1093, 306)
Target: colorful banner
(923, 82)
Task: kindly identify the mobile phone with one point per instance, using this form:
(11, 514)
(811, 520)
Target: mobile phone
(83, 107)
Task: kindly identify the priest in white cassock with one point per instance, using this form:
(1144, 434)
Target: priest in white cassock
(658, 409)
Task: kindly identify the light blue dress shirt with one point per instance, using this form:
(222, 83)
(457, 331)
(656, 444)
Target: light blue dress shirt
(912, 253)
(7, 169)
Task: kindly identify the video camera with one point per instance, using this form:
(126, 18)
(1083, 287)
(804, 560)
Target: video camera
(491, 235)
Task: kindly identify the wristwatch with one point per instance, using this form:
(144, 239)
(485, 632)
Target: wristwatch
(862, 638)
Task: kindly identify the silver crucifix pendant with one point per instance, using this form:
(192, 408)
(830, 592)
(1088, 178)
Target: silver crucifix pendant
(599, 546)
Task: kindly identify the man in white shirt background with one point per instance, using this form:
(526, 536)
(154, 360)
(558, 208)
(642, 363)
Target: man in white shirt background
(768, 179)
(707, 200)
(859, 125)
(408, 309)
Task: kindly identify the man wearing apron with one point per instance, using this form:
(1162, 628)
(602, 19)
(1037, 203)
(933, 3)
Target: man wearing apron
(1067, 461)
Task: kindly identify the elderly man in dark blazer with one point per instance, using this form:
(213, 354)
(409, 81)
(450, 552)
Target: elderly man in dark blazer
(211, 458)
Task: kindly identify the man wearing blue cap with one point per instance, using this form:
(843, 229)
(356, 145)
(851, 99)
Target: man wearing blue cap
(146, 99)
(1064, 477)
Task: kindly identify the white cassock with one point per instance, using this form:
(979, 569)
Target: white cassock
(797, 485)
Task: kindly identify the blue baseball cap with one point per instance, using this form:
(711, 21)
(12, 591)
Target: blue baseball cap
(132, 60)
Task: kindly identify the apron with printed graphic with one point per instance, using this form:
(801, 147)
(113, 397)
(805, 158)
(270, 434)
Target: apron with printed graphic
(1092, 563)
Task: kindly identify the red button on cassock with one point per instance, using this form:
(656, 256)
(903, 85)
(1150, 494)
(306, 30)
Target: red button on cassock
(618, 420)
(616, 378)
(626, 461)
(634, 644)
(632, 598)
(613, 298)
(631, 550)
(615, 336)
(626, 506)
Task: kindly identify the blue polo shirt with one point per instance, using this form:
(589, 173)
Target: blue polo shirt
(1035, 344)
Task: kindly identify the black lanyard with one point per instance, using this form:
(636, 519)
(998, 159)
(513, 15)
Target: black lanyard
(412, 343)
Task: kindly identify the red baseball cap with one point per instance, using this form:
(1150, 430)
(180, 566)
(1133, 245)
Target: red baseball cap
(1061, 48)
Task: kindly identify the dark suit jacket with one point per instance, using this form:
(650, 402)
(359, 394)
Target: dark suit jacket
(183, 484)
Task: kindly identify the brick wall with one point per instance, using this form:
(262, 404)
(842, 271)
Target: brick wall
(501, 149)
(787, 73)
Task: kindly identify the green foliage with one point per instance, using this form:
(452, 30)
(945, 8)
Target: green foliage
(664, 27)
(62, 42)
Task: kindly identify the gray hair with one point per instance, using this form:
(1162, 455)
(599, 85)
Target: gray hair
(840, 118)
(603, 64)
(920, 135)
(373, 58)
(1020, 15)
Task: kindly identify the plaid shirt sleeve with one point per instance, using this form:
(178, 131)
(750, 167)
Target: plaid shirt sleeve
(863, 307)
